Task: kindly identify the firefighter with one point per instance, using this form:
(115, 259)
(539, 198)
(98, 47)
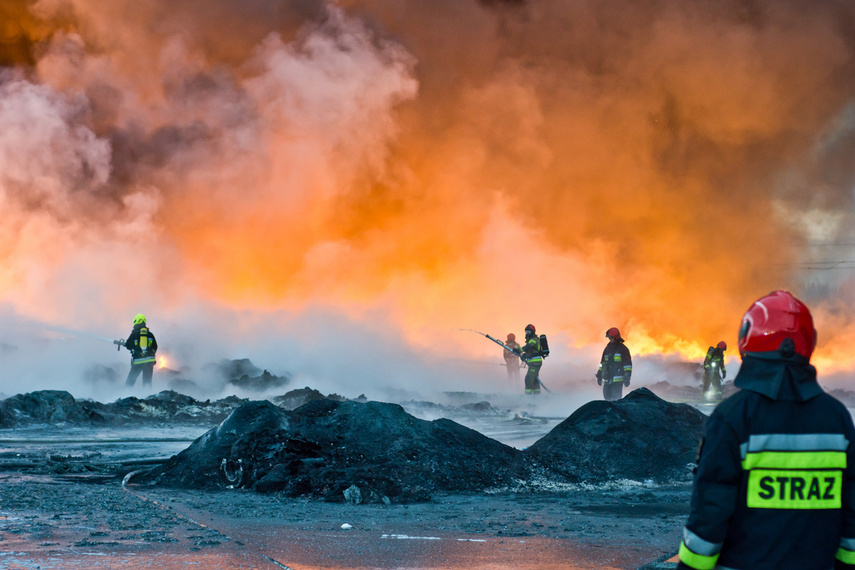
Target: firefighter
(531, 354)
(775, 482)
(512, 361)
(615, 366)
(143, 346)
(714, 371)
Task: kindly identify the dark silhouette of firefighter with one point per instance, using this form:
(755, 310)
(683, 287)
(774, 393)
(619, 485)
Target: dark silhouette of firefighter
(615, 366)
(714, 371)
(143, 346)
(530, 352)
(512, 361)
(774, 485)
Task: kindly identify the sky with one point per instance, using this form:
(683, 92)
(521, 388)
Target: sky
(335, 188)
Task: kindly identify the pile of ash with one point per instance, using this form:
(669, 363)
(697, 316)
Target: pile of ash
(361, 452)
(639, 437)
(364, 452)
(44, 407)
(242, 373)
(166, 406)
(58, 407)
(296, 398)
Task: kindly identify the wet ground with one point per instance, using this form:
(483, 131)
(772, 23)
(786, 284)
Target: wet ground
(96, 447)
(63, 505)
(67, 501)
(81, 516)
(77, 521)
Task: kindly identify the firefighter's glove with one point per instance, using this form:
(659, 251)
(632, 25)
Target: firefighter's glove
(599, 377)
(626, 383)
(517, 351)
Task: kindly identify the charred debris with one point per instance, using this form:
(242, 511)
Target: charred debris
(377, 452)
(173, 406)
(58, 407)
(304, 443)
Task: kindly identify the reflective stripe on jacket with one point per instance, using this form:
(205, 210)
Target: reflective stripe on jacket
(531, 350)
(616, 363)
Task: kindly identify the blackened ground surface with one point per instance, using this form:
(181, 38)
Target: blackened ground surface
(91, 522)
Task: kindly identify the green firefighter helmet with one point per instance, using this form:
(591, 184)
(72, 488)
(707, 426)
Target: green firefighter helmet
(139, 319)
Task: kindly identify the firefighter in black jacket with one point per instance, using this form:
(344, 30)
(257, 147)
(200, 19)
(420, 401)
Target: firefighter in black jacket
(530, 353)
(615, 366)
(143, 346)
(775, 481)
(714, 371)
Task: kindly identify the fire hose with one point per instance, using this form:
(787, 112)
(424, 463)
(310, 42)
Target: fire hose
(508, 348)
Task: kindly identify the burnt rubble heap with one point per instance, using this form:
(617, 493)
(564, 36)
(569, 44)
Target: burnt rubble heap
(58, 407)
(374, 451)
(639, 437)
(306, 444)
(54, 407)
(339, 451)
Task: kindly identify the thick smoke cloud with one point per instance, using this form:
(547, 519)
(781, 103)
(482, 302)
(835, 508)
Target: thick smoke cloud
(412, 168)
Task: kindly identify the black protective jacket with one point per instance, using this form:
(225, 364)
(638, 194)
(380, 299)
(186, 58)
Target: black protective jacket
(615, 364)
(714, 362)
(775, 482)
(530, 349)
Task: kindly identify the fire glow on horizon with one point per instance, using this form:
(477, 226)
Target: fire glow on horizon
(603, 163)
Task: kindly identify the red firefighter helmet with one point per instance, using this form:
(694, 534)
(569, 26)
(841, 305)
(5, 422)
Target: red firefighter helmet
(530, 328)
(613, 333)
(777, 322)
(511, 336)
(722, 345)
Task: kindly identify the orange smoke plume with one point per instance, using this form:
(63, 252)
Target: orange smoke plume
(579, 166)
